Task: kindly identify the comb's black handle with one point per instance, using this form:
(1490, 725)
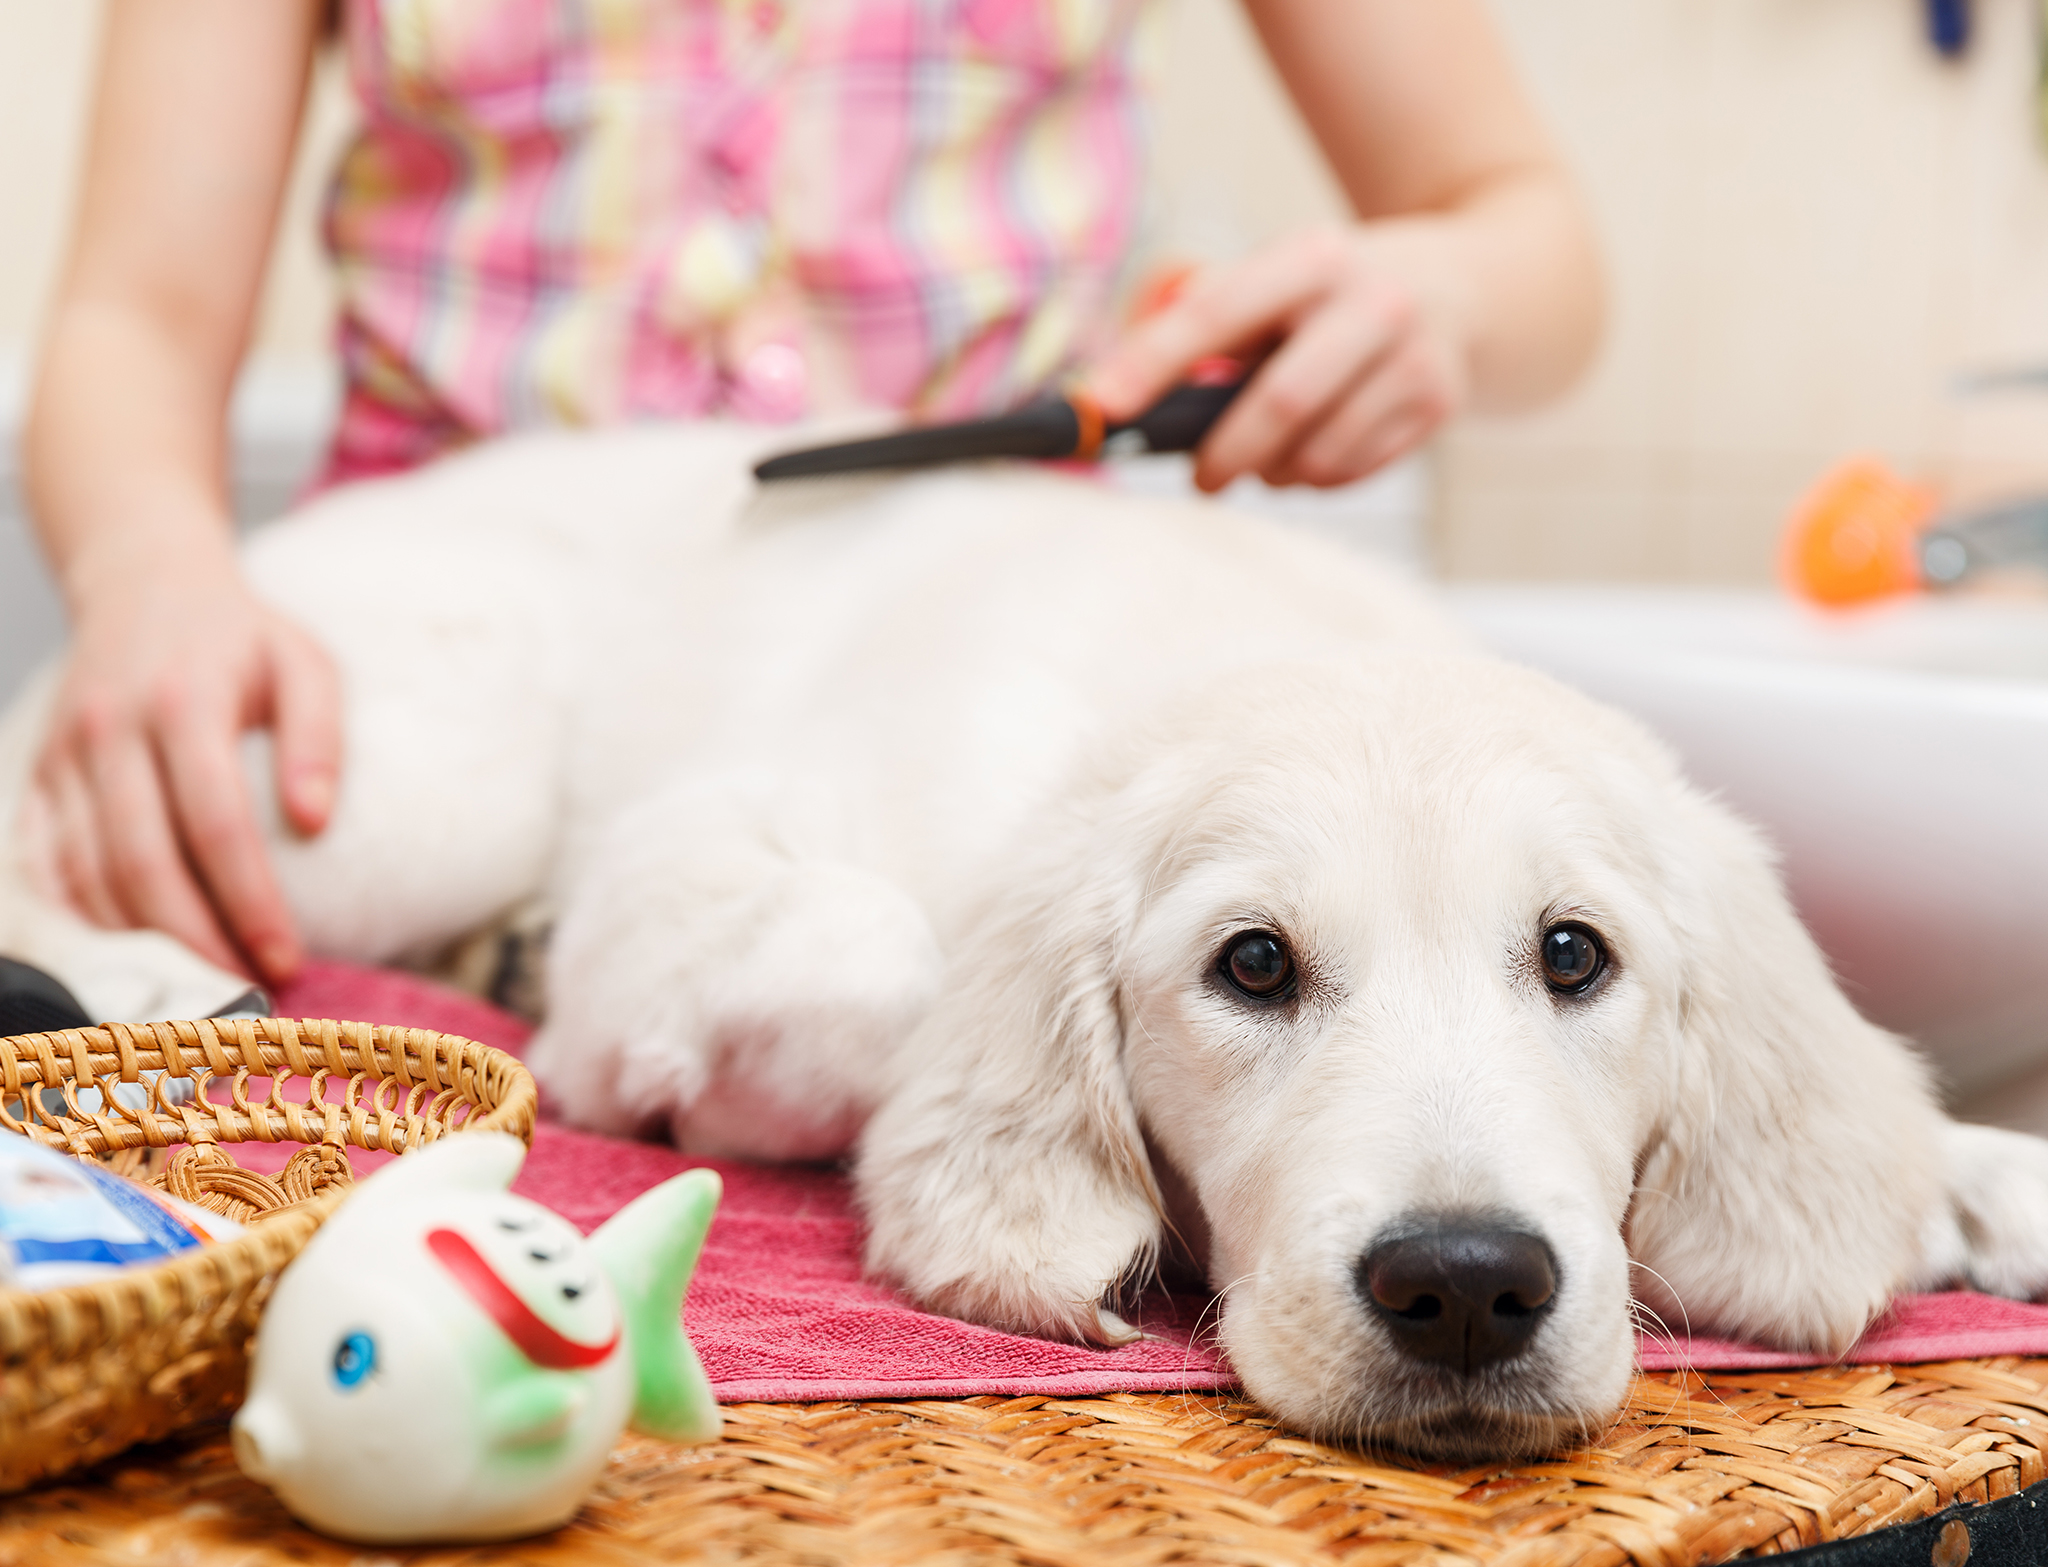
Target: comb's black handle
(1046, 428)
(1179, 420)
(1051, 427)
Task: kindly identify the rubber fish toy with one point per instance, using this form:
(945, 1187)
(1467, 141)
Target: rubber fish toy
(446, 1361)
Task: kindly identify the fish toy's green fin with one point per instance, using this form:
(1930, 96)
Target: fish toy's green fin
(649, 1250)
(529, 1410)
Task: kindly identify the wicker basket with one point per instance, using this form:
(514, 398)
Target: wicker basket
(89, 1370)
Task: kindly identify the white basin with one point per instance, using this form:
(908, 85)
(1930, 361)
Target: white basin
(1897, 754)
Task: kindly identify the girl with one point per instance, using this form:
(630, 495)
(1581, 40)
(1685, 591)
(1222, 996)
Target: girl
(593, 210)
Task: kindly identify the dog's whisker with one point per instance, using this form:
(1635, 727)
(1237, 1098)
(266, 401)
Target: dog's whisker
(1214, 1303)
(1682, 1344)
(1682, 1348)
(1648, 1322)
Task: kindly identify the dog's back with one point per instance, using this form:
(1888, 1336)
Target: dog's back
(539, 634)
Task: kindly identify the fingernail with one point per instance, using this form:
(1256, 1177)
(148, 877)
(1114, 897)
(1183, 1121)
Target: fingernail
(316, 796)
(279, 960)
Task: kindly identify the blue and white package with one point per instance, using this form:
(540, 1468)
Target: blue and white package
(64, 1221)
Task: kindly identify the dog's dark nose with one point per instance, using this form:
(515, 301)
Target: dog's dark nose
(1460, 1295)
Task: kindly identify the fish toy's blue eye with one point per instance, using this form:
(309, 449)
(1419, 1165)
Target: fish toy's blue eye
(355, 1357)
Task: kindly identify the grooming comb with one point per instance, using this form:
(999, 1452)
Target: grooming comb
(1067, 425)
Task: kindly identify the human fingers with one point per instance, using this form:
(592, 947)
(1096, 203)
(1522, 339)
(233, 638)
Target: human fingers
(146, 872)
(1388, 443)
(198, 754)
(75, 849)
(1330, 352)
(1395, 407)
(1223, 309)
(35, 827)
(306, 719)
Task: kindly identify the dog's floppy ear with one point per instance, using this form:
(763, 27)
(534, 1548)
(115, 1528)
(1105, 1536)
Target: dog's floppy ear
(1784, 1195)
(1005, 1178)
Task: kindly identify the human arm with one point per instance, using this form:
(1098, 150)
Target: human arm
(1469, 279)
(172, 655)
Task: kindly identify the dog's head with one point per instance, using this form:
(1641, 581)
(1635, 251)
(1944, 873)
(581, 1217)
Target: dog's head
(1418, 998)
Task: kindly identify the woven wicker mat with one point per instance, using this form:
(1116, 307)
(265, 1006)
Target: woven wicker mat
(1697, 1470)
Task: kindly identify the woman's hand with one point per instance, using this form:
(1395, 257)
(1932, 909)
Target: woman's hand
(1469, 278)
(140, 780)
(1370, 359)
(172, 656)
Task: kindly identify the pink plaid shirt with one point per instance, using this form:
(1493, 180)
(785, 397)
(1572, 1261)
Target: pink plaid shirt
(586, 211)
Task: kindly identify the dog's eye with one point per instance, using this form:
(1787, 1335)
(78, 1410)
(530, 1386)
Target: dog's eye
(1258, 963)
(1572, 957)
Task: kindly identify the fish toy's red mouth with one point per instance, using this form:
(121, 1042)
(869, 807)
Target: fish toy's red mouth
(541, 1344)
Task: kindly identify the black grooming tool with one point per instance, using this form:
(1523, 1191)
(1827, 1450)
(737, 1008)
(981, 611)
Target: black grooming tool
(32, 1002)
(1060, 426)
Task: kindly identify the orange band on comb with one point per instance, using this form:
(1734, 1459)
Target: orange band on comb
(1088, 415)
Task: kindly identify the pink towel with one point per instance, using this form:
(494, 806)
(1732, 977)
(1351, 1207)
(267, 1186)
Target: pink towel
(779, 1309)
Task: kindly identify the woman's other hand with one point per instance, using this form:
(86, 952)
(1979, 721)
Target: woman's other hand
(173, 657)
(1469, 278)
(146, 810)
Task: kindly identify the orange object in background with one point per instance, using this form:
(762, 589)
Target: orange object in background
(1856, 535)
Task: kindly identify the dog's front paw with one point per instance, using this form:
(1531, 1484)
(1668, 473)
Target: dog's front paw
(1993, 1232)
(993, 1197)
(1012, 1266)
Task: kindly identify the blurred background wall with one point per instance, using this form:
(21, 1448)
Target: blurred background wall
(1813, 225)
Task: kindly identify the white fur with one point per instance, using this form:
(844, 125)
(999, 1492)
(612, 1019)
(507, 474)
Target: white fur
(925, 806)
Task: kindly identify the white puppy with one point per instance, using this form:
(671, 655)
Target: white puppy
(1120, 879)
